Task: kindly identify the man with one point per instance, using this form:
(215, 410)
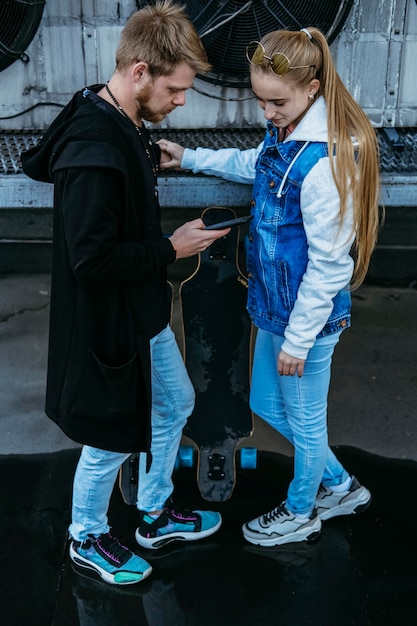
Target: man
(116, 380)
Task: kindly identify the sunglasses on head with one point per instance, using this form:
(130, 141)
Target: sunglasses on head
(280, 63)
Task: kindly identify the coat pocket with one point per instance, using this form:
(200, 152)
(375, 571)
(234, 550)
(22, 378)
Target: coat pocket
(103, 392)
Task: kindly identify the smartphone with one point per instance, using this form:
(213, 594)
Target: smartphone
(228, 223)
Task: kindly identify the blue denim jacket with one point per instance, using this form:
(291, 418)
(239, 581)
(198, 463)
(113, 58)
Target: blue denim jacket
(298, 253)
(277, 253)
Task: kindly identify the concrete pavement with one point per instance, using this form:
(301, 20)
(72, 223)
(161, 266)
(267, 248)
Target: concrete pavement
(372, 403)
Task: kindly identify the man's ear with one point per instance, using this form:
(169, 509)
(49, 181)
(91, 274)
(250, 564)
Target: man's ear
(138, 71)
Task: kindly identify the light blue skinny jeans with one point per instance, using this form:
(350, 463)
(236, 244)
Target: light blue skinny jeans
(297, 408)
(172, 403)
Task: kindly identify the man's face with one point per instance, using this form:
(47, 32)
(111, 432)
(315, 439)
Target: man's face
(158, 97)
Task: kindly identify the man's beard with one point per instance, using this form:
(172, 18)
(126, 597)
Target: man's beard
(151, 116)
(144, 112)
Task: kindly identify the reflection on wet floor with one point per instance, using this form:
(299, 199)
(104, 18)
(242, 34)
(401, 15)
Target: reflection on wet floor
(361, 571)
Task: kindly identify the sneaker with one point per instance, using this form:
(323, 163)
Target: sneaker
(115, 563)
(331, 503)
(175, 524)
(280, 526)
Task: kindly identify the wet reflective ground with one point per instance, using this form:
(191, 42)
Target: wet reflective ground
(361, 571)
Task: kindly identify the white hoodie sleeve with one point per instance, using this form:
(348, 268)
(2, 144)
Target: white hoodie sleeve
(228, 163)
(330, 266)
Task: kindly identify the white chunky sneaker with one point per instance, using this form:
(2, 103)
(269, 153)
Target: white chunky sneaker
(280, 526)
(332, 503)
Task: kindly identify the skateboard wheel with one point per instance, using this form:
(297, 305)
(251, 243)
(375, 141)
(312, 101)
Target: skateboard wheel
(248, 458)
(185, 457)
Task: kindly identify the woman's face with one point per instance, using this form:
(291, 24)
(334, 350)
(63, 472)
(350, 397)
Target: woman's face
(282, 101)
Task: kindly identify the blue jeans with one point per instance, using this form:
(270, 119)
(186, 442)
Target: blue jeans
(297, 408)
(172, 403)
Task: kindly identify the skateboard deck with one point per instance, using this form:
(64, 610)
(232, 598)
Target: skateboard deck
(217, 332)
(128, 479)
(217, 346)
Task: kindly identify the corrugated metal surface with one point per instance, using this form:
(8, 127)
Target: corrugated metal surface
(375, 54)
(75, 45)
(398, 149)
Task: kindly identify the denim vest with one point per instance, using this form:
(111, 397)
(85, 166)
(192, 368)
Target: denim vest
(277, 250)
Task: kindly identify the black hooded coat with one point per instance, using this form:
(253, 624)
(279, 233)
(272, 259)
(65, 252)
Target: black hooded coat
(109, 291)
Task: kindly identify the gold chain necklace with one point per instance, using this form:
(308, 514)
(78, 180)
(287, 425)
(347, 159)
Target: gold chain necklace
(151, 157)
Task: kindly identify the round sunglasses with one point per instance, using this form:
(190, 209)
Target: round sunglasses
(280, 63)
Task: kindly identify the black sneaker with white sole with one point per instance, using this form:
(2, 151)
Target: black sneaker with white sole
(175, 524)
(114, 563)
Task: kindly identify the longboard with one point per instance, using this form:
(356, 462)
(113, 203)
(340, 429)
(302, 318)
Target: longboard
(217, 339)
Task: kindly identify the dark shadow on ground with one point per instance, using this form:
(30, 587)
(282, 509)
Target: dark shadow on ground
(361, 570)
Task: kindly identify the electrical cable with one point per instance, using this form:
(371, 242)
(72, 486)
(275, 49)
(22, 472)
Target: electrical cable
(35, 106)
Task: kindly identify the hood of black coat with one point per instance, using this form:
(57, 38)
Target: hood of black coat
(38, 162)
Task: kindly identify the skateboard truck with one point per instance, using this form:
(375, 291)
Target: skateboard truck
(133, 471)
(216, 466)
(218, 250)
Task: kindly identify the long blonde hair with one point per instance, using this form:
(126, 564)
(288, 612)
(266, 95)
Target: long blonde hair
(355, 168)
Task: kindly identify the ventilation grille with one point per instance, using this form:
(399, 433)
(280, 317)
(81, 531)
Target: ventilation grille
(18, 25)
(395, 159)
(227, 26)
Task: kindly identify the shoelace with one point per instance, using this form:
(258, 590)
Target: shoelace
(272, 516)
(185, 515)
(112, 548)
(181, 514)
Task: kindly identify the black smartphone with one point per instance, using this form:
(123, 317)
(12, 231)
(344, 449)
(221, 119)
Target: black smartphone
(228, 223)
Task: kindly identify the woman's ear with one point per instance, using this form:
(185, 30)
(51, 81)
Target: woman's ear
(313, 87)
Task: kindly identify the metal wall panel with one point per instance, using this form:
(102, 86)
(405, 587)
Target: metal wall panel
(75, 45)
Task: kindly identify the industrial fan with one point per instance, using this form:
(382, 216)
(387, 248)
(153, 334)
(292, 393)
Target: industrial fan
(19, 21)
(227, 26)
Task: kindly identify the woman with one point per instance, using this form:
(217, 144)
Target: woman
(314, 226)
